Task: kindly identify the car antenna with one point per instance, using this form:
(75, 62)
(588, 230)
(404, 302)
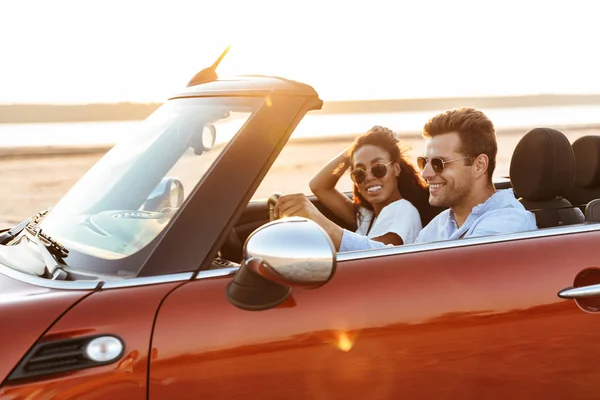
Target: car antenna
(208, 74)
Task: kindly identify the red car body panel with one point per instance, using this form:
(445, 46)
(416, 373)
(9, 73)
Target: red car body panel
(125, 312)
(18, 330)
(481, 321)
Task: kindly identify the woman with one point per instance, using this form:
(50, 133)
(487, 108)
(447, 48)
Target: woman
(387, 194)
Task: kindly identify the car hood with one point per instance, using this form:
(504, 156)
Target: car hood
(26, 312)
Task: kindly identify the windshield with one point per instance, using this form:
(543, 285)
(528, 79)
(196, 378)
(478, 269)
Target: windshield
(132, 193)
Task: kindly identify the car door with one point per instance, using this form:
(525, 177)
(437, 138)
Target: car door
(473, 318)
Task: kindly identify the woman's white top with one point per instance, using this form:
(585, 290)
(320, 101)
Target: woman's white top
(399, 217)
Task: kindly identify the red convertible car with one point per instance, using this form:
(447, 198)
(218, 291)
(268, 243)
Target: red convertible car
(159, 276)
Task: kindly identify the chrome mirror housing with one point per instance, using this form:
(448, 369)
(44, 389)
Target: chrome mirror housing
(292, 252)
(167, 194)
(286, 253)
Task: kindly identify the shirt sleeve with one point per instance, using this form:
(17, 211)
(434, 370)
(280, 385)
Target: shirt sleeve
(434, 230)
(352, 242)
(424, 234)
(401, 218)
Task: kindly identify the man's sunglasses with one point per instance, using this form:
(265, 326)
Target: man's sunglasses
(378, 170)
(436, 163)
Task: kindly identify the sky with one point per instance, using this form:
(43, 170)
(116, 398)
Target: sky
(81, 51)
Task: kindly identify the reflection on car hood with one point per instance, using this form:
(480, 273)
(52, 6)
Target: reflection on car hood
(26, 312)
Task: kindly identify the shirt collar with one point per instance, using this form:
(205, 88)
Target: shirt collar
(493, 202)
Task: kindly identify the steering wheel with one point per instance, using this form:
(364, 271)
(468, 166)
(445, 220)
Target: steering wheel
(271, 201)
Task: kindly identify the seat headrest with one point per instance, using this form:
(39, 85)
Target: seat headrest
(587, 161)
(542, 166)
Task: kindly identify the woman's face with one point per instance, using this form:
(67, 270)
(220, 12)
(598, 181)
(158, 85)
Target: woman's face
(378, 191)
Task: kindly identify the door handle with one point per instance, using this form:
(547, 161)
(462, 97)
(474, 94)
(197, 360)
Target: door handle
(580, 292)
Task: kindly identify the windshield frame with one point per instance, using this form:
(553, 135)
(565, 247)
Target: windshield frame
(194, 234)
(219, 205)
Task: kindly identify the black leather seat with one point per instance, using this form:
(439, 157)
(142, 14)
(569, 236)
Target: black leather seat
(587, 171)
(542, 170)
(592, 211)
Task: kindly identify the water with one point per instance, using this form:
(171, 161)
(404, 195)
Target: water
(503, 118)
(313, 125)
(64, 134)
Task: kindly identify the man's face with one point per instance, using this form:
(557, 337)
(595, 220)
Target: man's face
(453, 184)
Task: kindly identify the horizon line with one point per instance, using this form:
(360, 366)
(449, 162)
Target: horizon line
(154, 102)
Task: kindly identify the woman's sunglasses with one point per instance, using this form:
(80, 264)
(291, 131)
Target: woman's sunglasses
(360, 174)
(436, 163)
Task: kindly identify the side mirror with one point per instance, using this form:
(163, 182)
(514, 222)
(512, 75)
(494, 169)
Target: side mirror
(286, 253)
(167, 194)
(203, 140)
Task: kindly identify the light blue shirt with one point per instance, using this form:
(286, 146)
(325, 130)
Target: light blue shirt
(501, 213)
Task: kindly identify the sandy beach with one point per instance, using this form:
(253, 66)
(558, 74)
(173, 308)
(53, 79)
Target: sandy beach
(32, 182)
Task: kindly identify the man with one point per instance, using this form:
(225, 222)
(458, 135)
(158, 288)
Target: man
(458, 164)
(460, 158)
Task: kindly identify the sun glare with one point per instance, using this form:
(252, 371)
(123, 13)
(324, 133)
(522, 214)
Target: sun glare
(344, 341)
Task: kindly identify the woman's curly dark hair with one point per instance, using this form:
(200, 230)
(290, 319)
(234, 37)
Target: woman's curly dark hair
(410, 183)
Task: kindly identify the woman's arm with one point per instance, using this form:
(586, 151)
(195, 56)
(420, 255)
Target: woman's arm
(299, 205)
(323, 186)
(390, 238)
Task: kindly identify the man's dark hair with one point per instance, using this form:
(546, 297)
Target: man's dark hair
(476, 132)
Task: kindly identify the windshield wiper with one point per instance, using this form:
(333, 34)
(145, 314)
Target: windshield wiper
(52, 251)
(50, 257)
(6, 235)
(12, 233)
